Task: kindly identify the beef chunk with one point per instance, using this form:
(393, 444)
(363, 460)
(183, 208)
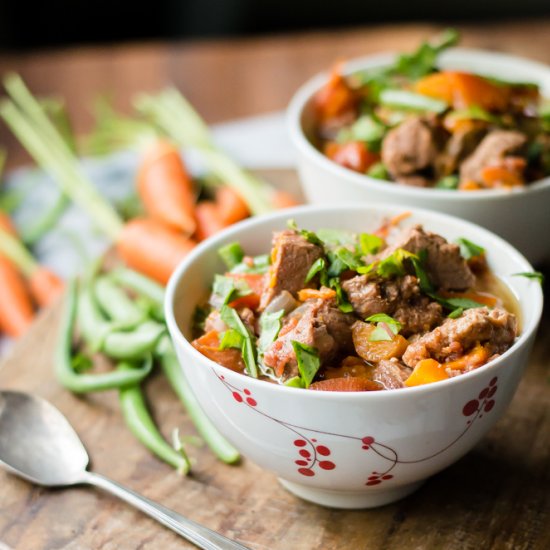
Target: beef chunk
(495, 328)
(494, 147)
(292, 255)
(409, 148)
(317, 323)
(446, 267)
(460, 145)
(391, 373)
(400, 298)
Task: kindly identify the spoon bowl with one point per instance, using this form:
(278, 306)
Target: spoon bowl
(38, 444)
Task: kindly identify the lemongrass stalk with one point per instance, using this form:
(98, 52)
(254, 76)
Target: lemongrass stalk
(12, 249)
(64, 168)
(56, 110)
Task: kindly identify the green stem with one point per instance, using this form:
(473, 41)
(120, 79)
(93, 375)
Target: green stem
(64, 168)
(17, 253)
(31, 234)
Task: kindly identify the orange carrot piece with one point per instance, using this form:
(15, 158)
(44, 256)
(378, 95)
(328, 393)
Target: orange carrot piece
(496, 176)
(7, 225)
(462, 90)
(152, 248)
(165, 187)
(346, 384)
(231, 206)
(256, 283)
(209, 345)
(16, 311)
(45, 286)
(469, 185)
(209, 220)
(336, 97)
(353, 155)
(323, 293)
(282, 199)
(471, 360)
(426, 371)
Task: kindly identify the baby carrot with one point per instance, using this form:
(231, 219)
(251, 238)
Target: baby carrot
(16, 311)
(151, 248)
(209, 219)
(165, 187)
(45, 285)
(231, 206)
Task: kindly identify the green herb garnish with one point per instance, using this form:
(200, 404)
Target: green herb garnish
(308, 361)
(370, 244)
(318, 265)
(468, 249)
(448, 182)
(231, 339)
(226, 289)
(308, 235)
(232, 254)
(341, 298)
(295, 382)
(456, 313)
(270, 325)
(260, 264)
(378, 171)
(537, 275)
(380, 333)
(231, 318)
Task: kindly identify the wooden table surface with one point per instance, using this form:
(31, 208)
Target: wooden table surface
(498, 496)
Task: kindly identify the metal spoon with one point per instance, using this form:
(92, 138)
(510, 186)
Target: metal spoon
(37, 443)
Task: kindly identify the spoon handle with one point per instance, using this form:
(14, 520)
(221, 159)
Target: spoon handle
(197, 534)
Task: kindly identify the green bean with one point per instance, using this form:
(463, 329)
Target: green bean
(174, 373)
(116, 303)
(139, 283)
(132, 345)
(93, 325)
(84, 383)
(140, 423)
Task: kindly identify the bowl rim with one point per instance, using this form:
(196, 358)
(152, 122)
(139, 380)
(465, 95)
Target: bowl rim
(303, 95)
(214, 242)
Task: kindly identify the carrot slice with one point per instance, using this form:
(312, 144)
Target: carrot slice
(165, 187)
(45, 286)
(346, 384)
(475, 358)
(335, 98)
(152, 248)
(353, 155)
(256, 283)
(231, 207)
(282, 199)
(323, 293)
(209, 346)
(16, 311)
(426, 371)
(209, 220)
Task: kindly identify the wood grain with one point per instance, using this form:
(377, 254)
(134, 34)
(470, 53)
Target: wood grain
(497, 497)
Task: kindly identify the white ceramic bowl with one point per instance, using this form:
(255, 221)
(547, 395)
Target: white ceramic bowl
(522, 217)
(350, 450)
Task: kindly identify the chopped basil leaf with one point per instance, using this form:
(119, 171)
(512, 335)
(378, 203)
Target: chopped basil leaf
(423, 279)
(336, 237)
(468, 249)
(270, 325)
(336, 265)
(350, 259)
(378, 171)
(394, 324)
(308, 235)
(341, 298)
(232, 254)
(231, 339)
(365, 129)
(448, 182)
(260, 264)
(226, 289)
(370, 244)
(393, 264)
(318, 265)
(456, 313)
(464, 303)
(531, 275)
(295, 382)
(231, 318)
(422, 61)
(380, 333)
(308, 361)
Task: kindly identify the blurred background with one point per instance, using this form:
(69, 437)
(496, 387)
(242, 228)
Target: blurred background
(60, 23)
